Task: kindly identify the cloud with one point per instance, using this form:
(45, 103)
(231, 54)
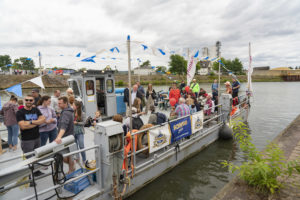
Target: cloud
(68, 27)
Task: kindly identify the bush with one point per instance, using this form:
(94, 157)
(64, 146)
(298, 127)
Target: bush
(262, 168)
(120, 83)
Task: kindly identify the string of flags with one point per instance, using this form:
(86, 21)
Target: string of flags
(17, 89)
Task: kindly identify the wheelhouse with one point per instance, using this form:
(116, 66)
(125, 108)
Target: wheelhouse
(96, 90)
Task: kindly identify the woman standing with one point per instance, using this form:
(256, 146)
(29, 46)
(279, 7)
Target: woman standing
(48, 129)
(79, 120)
(228, 88)
(9, 111)
(150, 96)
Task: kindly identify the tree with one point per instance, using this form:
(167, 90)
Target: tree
(146, 63)
(234, 66)
(178, 65)
(24, 63)
(198, 66)
(4, 60)
(161, 69)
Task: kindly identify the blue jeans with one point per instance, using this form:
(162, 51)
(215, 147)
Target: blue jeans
(48, 134)
(13, 132)
(79, 139)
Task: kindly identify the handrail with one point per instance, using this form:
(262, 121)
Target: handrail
(61, 185)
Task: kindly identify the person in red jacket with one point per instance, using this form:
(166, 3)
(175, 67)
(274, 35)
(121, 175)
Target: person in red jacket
(174, 93)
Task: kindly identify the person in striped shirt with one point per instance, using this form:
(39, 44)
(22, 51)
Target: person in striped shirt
(182, 109)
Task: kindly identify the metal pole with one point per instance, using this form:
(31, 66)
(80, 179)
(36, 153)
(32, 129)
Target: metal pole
(129, 82)
(219, 86)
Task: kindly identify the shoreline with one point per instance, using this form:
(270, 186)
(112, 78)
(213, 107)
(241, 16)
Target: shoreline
(60, 81)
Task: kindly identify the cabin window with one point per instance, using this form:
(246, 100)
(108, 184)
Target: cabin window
(109, 86)
(89, 85)
(73, 84)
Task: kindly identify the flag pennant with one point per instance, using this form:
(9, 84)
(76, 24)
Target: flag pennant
(138, 60)
(172, 52)
(213, 59)
(113, 58)
(117, 49)
(16, 89)
(196, 54)
(145, 47)
(89, 59)
(206, 58)
(38, 81)
(0, 104)
(161, 51)
(28, 59)
(112, 49)
(103, 58)
(78, 55)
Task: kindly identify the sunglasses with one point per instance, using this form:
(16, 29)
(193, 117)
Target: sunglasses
(29, 100)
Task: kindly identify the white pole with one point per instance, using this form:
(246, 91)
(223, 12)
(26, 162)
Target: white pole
(129, 83)
(219, 86)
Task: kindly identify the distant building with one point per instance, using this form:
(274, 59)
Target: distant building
(144, 70)
(261, 68)
(207, 66)
(281, 68)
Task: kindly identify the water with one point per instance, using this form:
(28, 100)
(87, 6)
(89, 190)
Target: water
(274, 106)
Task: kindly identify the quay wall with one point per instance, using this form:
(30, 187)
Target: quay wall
(289, 141)
(60, 81)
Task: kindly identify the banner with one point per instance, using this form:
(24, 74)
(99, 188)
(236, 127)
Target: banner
(180, 128)
(16, 89)
(38, 81)
(191, 69)
(159, 138)
(197, 121)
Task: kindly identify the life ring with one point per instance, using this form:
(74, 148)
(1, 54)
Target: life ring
(127, 148)
(140, 139)
(234, 109)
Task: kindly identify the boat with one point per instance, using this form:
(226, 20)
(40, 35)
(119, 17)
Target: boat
(122, 163)
(118, 174)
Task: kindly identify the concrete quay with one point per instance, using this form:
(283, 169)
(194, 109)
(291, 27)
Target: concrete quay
(289, 141)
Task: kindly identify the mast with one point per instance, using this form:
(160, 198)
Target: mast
(129, 82)
(218, 45)
(249, 85)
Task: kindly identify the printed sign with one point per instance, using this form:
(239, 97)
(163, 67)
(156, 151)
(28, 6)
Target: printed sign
(91, 98)
(180, 128)
(197, 121)
(159, 138)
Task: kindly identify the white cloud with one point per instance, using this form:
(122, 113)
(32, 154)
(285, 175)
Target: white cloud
(67, 27)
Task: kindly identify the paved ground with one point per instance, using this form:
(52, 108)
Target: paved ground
(289, 141)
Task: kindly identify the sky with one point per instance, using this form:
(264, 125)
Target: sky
(60, 29)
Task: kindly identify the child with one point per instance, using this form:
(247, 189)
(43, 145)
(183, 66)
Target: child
(20, 104)
(97, 117)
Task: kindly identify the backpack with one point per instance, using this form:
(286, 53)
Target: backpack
(161, 118)
(137, 122)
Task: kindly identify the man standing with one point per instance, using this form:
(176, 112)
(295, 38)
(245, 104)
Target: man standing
(174, 93)
(182, 109)
(65, 126)
(136, 94)
(29, 118)
(54, 102)
(142, 92)
(36, 95)
(215, 86)
(195, 87)
(235, 87)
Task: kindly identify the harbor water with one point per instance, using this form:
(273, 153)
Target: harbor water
(274, 106)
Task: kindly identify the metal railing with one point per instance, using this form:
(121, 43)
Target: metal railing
(97, 169)
(134, 152)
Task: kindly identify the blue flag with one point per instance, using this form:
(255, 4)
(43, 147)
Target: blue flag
(8, 65)
(213, 59)
(145, 47)
(161, 51)
(138, 60)
(28, 59)
(89, 59)
(103, 58)
(0, 104)
(113, 58)
(78, 55)
(117, 49)
(112, 49)
(16, 89)
(197, 54)
(206, 58)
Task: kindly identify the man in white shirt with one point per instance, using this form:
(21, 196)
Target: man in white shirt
(54, 101)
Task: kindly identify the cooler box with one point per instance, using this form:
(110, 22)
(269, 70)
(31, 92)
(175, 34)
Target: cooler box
(79, 184)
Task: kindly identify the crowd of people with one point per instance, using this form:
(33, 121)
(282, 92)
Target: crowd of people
(45, 119)
(185, 100)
